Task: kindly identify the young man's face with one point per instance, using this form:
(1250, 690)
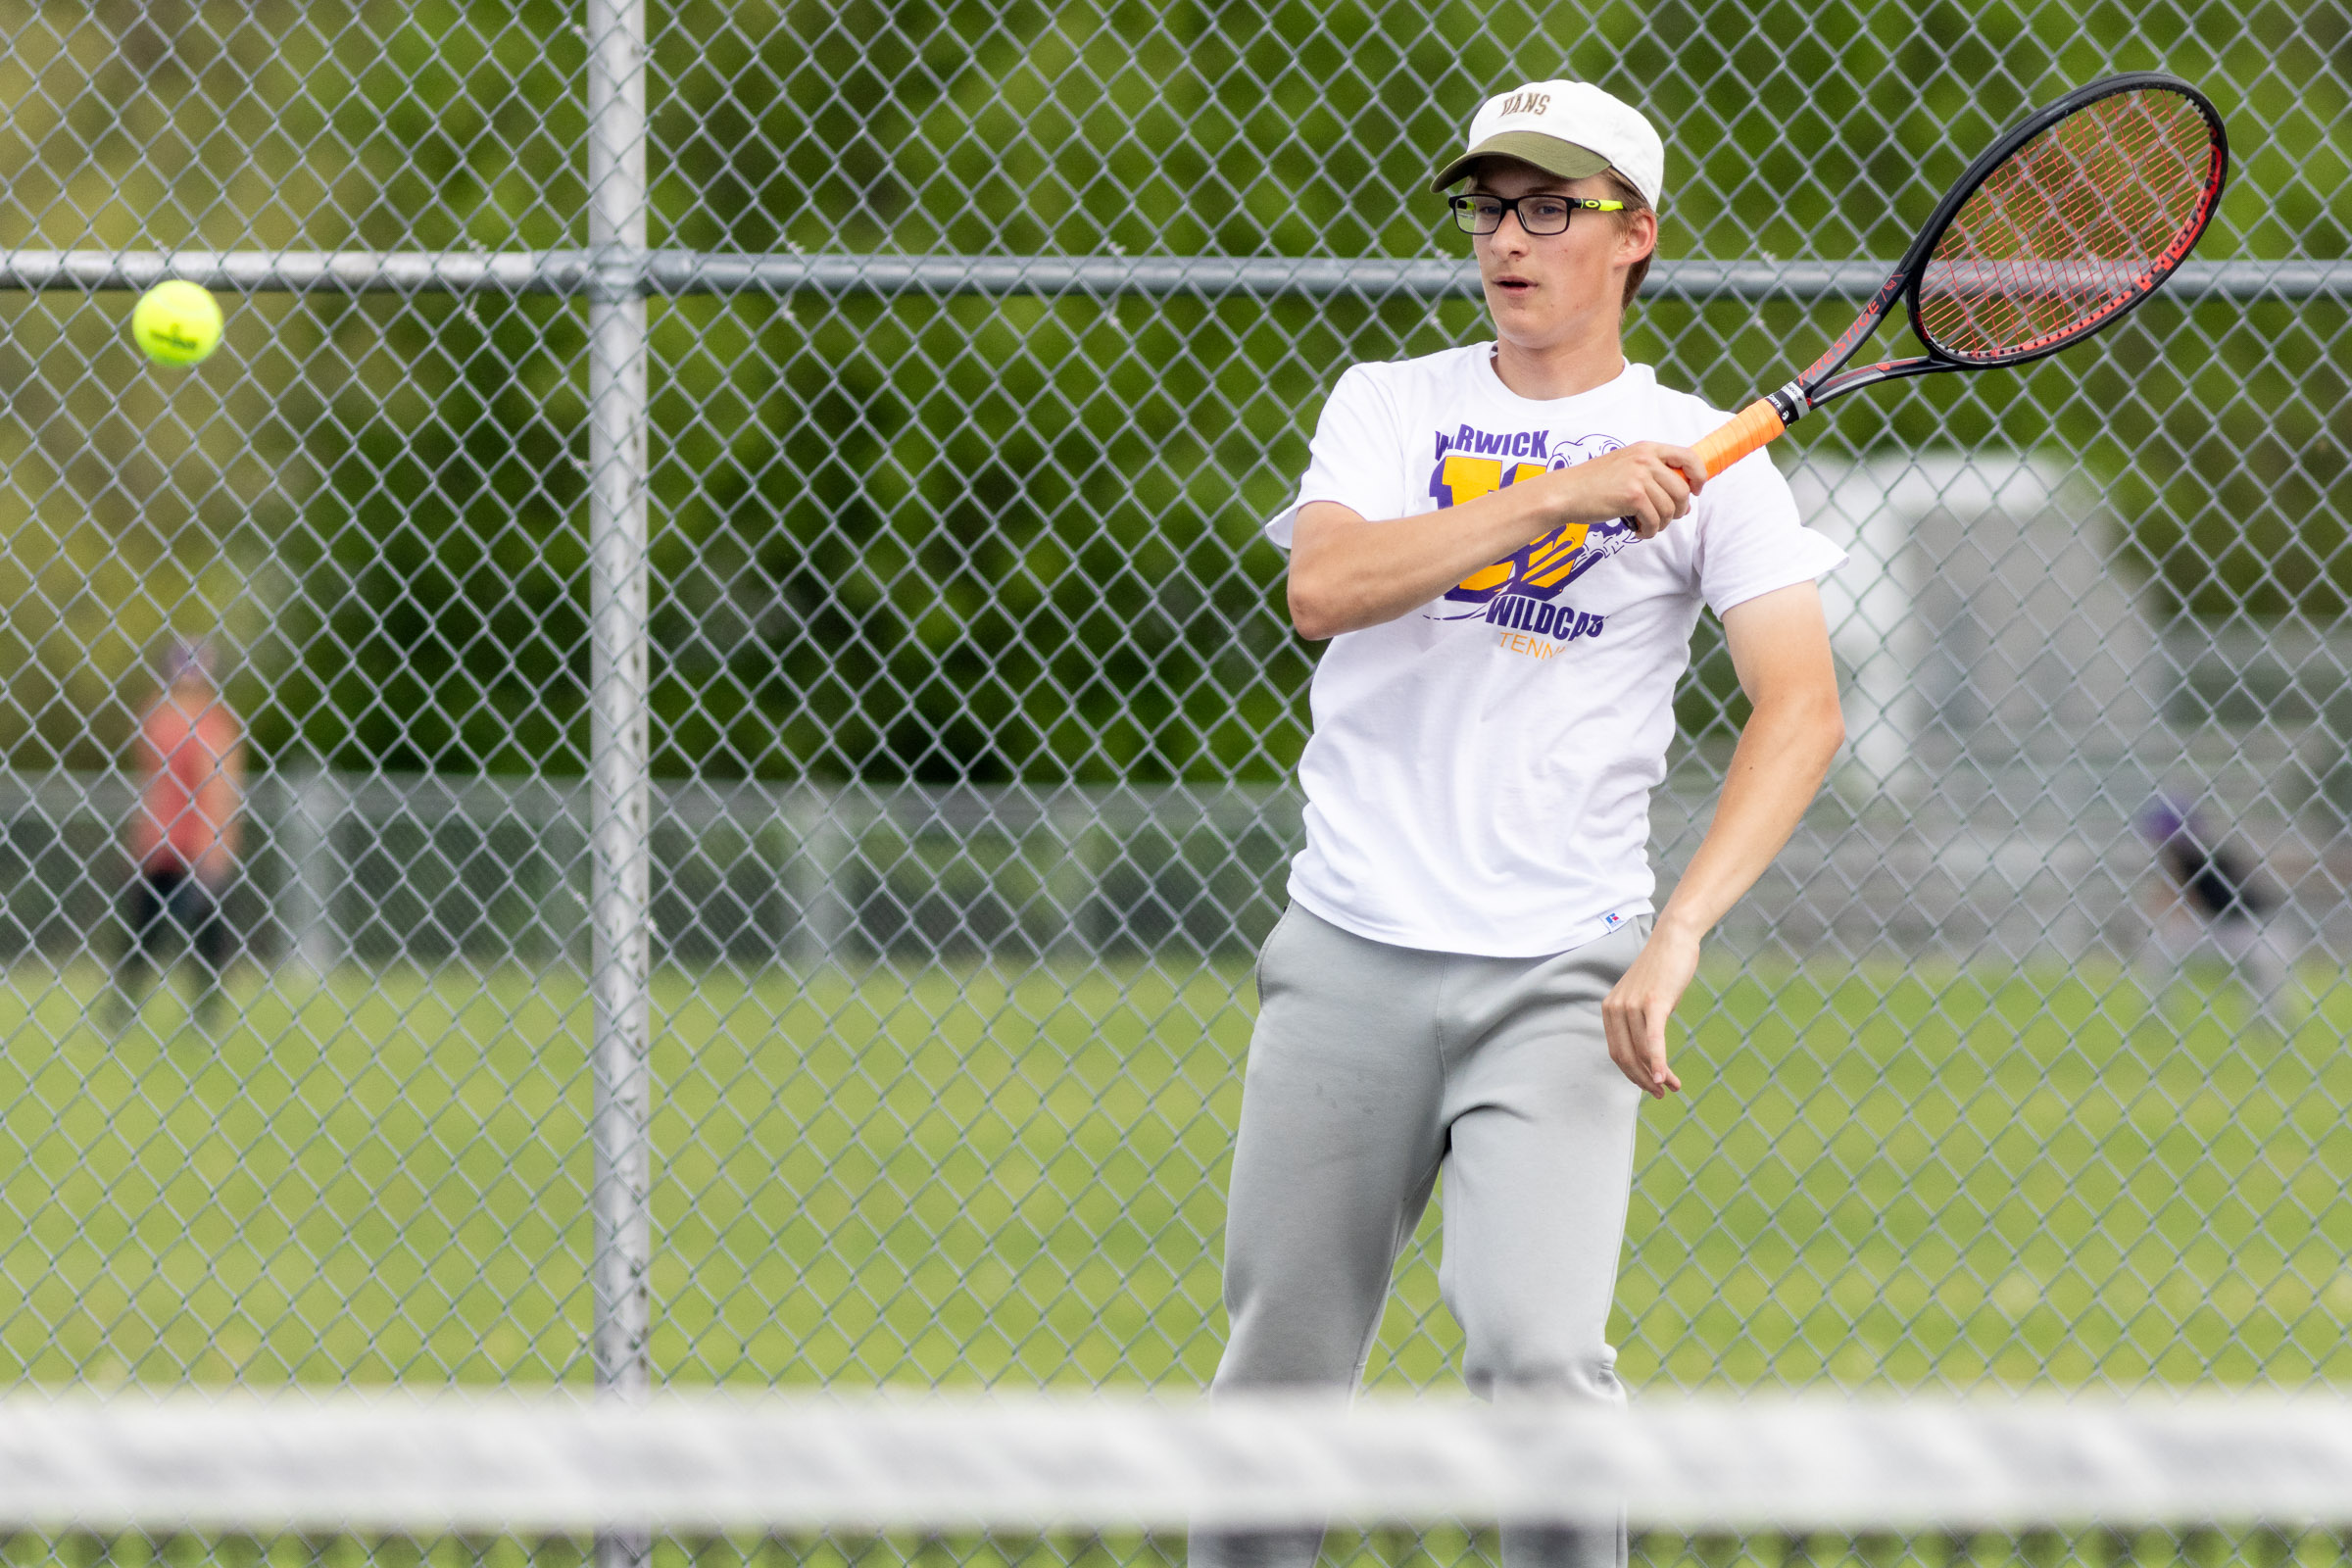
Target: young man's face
(1547, 291)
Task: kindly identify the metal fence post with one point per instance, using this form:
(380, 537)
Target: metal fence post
(620, 788)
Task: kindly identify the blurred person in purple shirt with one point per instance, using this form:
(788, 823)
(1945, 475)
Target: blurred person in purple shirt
(2214, 893)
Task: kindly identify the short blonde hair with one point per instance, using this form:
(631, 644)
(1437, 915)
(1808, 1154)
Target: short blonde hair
(1634, 202)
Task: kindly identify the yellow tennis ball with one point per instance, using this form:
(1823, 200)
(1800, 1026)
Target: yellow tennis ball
(176, 322)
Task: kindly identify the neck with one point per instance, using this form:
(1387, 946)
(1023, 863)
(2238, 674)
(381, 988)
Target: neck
(1583, 361)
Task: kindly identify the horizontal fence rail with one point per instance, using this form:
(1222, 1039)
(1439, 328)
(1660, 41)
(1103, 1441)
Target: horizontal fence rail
(374, 870)
(687, 272)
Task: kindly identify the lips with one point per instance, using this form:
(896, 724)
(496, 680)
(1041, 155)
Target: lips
(1511, 284)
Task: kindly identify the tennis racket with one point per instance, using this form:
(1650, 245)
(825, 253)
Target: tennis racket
(2073, 217)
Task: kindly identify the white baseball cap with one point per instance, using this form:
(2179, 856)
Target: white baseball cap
(1567, 129)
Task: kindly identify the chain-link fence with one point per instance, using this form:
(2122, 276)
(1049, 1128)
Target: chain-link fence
(729, 532)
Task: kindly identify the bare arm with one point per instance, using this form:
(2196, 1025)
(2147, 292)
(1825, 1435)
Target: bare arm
(1779, 645)
(220, 798)
(1348, 574)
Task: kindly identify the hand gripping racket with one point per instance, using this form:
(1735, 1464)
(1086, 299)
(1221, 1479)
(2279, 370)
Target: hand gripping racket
(2075, 215)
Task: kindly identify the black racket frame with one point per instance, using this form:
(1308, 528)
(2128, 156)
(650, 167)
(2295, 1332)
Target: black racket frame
(1825, 379)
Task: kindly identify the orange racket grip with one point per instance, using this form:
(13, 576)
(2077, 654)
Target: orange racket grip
(1749, 431)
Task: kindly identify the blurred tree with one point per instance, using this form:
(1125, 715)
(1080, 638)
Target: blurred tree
(946, 539)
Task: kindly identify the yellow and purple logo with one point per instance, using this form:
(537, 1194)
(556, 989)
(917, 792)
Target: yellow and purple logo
(1517, 592)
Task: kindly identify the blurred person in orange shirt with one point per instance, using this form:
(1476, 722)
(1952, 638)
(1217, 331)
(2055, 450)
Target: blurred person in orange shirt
(184, 839)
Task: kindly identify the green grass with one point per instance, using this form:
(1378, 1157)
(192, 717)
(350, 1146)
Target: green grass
(1913, 1177)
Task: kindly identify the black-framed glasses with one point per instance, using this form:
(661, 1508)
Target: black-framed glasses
(1538, 214)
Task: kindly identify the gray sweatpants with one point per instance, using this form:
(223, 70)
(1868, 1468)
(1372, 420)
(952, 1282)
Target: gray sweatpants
(1374, 1069)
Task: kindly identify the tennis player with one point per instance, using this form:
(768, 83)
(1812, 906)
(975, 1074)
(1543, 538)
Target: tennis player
(1506, 546)
(183, 838)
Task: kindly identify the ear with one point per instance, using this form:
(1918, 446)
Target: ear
(1637, 236)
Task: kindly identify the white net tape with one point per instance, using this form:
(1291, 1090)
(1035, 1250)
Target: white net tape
(411, 1466)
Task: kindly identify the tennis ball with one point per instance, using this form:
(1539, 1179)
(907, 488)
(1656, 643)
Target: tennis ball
(176, 322)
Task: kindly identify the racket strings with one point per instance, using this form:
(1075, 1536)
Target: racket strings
(2071, 226)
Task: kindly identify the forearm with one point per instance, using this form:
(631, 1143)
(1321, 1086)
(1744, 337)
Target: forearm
(222, 802)
(1779, 645)
(1778, 767)
(1348, 574)
(1345, 575)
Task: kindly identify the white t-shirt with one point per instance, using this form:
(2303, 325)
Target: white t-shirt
(1478, 779)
